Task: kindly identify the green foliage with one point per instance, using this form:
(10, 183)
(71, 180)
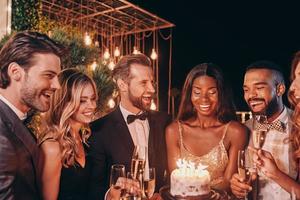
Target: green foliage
(25, 14)
(78, 52)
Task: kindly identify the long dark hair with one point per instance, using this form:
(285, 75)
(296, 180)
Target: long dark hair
(225, 108)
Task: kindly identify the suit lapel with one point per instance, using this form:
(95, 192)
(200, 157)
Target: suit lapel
(123, 131)
(16, 127)
(152, 138)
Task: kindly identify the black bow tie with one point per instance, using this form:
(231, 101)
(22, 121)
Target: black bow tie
(131, 118)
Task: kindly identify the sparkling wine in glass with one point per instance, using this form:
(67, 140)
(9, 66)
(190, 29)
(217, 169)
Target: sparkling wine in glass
(118, 177)
(244, 166)
(149, 182)
(259, 131)
(259, 137)
(138, 161)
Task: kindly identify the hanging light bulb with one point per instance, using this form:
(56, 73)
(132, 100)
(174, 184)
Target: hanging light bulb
(117, 52)
(111, 65)
(135, 51)
(106, 54)
(49, 34)
(111, 103)
(93, 65)
(153, 54)
(152, 106)
(97, 44)
(87, 39)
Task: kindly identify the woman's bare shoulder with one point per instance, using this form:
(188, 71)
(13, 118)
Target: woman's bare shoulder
(237, 129)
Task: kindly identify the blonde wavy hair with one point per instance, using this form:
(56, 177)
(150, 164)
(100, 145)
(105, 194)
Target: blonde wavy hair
(64, 104)
(295, 136)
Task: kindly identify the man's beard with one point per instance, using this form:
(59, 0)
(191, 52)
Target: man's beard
(137, 102)
(271, 107)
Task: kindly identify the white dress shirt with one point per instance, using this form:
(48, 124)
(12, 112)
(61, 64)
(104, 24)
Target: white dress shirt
(18, 112)
(279, 145)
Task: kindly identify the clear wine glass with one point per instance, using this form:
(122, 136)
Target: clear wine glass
(245, 165)
(118, 178)
(149, 182)
(138, 161)
(259, 131)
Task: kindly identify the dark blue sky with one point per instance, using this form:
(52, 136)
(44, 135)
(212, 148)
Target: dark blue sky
(229, 34)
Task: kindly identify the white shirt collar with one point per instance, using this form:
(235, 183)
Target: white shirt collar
(283, 117)
(18, 112)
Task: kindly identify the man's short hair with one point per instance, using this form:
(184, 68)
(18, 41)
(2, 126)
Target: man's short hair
(269, 65)
(21, 47)
(122, 69)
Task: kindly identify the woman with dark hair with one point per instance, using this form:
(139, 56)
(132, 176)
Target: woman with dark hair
(265, 161)
(206, 130)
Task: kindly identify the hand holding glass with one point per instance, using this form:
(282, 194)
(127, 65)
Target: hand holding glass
(118, 177)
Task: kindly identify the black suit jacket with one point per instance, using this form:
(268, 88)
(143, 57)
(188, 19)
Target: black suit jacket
(111, 143)
(18, 158)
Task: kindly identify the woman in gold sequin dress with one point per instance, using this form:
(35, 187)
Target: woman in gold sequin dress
(206, 130)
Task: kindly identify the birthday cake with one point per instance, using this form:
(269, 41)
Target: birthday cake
(189, 180)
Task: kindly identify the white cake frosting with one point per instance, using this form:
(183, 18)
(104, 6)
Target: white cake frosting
(189, 180)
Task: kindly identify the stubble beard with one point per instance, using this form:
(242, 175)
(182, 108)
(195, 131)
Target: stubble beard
(137, 102)
(30, 97)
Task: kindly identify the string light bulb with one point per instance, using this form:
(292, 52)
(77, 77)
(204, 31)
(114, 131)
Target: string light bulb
(153, 105)
(111, 65)
(117, 52)
(93, 65)
(153, 54)
(87, 39)
(106, 54)
(111, 103)
(135, 51)
(97, 44)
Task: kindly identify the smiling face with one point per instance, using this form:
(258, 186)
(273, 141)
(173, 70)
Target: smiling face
(204, 95)
(40, 82)
(260, 91)
(86, 109)
(140, 88)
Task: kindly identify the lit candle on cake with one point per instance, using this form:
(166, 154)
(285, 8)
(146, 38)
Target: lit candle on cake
(189, 179)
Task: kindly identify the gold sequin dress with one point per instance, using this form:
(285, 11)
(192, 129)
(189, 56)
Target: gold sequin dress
(216, 159)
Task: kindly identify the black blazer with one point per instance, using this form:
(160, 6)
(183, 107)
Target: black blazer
(111, 143)
(18, 158)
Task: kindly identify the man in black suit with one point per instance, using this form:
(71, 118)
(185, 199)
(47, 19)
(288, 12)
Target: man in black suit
(114, 136)
(29, 64)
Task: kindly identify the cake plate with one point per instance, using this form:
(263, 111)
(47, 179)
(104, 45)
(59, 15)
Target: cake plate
(213, 195)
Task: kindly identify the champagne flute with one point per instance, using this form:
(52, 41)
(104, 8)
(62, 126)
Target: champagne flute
(259, 131)
(138, 161)
(117, 177)
(149, 182)
(244, 165)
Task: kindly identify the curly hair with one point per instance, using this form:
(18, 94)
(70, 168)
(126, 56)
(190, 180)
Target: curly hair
(295, 136)
(65, 103)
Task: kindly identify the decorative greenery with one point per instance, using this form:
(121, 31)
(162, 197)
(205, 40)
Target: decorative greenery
(25, 14)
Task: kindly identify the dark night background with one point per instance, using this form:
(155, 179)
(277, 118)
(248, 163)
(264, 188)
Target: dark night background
(231, 35)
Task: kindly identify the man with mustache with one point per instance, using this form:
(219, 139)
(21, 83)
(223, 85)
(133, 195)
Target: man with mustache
(263, 89)
(29, 63)
(131, 123)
